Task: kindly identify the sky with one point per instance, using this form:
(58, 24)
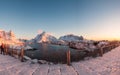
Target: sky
(93, 19)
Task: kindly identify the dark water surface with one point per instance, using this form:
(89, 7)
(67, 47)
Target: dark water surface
(53, 53)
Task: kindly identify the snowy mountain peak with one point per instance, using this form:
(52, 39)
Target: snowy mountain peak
(45, 37)
(71, 37)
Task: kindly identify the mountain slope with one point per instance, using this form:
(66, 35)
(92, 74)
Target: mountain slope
(45, 37)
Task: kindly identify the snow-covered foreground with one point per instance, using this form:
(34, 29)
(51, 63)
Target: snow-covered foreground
(109, 64)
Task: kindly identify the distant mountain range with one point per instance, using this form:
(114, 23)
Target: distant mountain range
(63, 40)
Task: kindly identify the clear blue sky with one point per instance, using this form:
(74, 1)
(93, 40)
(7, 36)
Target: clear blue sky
(94, 19)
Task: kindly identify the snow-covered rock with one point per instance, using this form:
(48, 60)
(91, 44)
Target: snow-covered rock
(27, 47)
(91, 47)
(27, 58)
(80, 46)
(77, 45)
(84, 45)
(34, 61)
(102, 43)
(61, 42)
(42, 62)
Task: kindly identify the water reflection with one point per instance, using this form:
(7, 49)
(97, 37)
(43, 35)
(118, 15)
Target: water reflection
(54, 53)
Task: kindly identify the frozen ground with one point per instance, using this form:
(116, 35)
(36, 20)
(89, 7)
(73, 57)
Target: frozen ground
(109, 64)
